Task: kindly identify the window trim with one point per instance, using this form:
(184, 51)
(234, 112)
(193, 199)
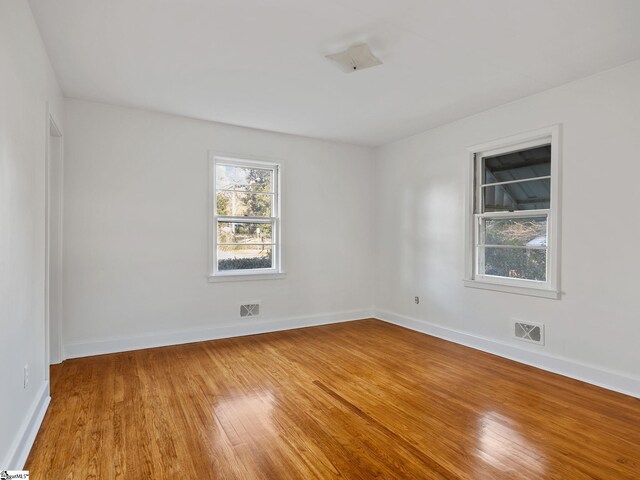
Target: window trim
(550, 288)
(277, 272)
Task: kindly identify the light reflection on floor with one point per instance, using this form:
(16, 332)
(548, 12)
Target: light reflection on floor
(246, 418)
(501, 445)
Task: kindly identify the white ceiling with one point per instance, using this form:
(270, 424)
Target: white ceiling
(260, 63)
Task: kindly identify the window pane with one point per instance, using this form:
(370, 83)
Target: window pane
(244, 232)
(532, 195)
(229, 177)
(238, 204)
(522, 232)
(530, 163)
(244, 257)
(516, 262)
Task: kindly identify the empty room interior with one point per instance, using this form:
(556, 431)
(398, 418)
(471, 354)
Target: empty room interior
(304, 239)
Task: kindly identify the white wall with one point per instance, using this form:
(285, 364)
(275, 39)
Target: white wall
(27, 84)
(420, 199)
(136, 232)
(135, 223)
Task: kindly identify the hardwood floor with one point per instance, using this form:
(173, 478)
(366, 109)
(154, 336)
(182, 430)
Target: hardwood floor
(358, 400)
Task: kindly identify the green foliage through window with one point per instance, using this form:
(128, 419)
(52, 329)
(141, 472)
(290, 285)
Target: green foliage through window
(244, 263)
(243, 192)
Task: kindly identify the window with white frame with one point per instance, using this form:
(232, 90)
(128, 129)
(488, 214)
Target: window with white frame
(513, 220)
(246, 217)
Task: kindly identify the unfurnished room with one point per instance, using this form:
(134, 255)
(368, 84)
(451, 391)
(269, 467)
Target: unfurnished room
(305, 239)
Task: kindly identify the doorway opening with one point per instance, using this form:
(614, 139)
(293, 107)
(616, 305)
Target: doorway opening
(53, 245)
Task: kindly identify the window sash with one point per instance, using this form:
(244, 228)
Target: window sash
(479, 248)
(551, 136)
(479, 266)
(274, 220)
(523, 180)
(478, 167)
(246, 244)
(231, 190)
(540, 212)
(478, 245)
(243, 219)
(479, 206)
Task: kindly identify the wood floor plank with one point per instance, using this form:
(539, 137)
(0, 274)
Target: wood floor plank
(356, 400)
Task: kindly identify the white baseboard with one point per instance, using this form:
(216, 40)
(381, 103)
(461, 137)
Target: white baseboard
(25, 437)
(601, 377)
(237, 329)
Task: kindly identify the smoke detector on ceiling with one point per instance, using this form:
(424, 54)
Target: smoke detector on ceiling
(354, 58)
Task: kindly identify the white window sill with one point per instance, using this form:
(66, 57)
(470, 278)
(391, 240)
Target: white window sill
(517, 289)
(243, 277)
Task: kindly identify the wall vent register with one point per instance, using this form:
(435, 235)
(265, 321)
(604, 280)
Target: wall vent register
(250, 310)
(529, 332)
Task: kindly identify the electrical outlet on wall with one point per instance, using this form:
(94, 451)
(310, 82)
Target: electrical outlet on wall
(26, 376)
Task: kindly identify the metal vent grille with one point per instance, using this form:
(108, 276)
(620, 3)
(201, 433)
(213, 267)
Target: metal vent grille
(529, 332)
(250, 310)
